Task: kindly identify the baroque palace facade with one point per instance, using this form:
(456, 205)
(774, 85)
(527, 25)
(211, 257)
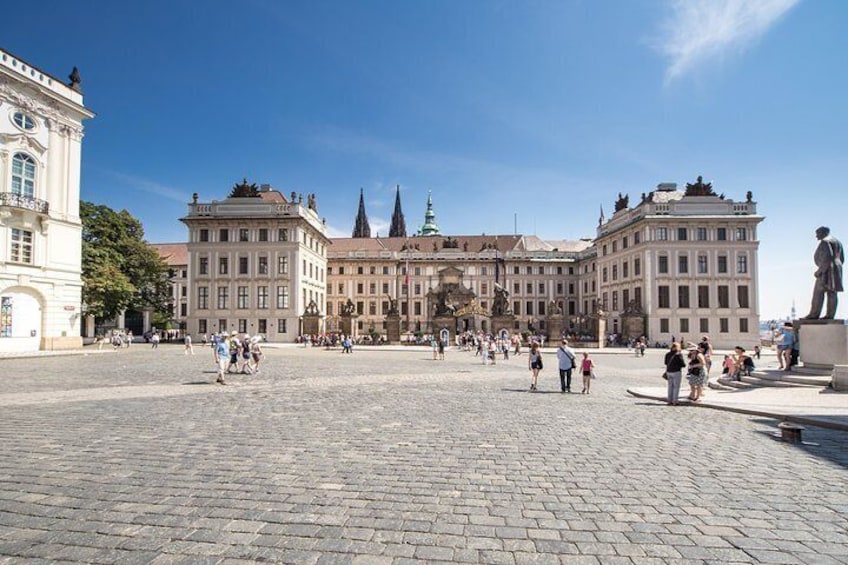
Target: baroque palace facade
(40, 229)
(679, 264)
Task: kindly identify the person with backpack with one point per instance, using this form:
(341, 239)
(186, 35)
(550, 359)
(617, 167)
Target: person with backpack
(567, 363)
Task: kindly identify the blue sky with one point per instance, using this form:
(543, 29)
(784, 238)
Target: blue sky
(538, 110)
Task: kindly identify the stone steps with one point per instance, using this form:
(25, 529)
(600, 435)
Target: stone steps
(774, 378)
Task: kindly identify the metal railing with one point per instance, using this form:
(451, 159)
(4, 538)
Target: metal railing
(24, 202)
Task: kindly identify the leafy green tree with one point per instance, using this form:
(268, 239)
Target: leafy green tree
(119, 269)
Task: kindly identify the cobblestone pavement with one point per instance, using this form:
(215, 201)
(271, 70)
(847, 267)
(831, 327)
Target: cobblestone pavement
(387, 456)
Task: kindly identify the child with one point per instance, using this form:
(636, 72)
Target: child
(587, 366)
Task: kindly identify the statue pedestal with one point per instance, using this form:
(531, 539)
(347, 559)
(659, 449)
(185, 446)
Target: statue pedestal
(823, 343)
(311, 324)
(500, 323)
(348, 327)
(393, 328)
(602, 333)
(554, 326)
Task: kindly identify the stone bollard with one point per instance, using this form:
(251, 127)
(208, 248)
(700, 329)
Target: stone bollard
(839, 381)
(789, 432)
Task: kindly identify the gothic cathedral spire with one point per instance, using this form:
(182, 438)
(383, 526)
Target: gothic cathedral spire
(398, 227)
(361, 227)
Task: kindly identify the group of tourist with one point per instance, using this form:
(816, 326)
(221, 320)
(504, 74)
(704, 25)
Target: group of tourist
(231, 352)
(566, 363)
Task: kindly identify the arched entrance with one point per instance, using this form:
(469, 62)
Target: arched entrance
(21, 319)
(444, 336)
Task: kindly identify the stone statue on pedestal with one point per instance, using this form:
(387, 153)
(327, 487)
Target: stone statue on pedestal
(829, 257)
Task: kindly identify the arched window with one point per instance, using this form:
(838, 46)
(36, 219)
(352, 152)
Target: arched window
(23, 175)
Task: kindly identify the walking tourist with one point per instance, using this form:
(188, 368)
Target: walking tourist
(567, 363)
(587, 369)
(222, 356)
(189, 348)
(535, 364)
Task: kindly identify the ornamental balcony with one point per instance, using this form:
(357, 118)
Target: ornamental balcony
(21, 202)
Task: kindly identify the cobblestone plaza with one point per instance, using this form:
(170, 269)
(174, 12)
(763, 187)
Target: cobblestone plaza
(386, 456)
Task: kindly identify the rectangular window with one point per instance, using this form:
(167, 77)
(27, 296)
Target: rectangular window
(704, 325)
(263, 234)
(681, 234)
(614, 246)
(615, 272)
(282, 297)
(615, 300)
(721, 234)
(664, 325)
(201, 326)
(372, 307)
(222, 325)
(417, 271)
(742, 264)
(223, 297)
(263, 265)
(243, 300)
(263, 326)
(283, 235)
(341, 288)
(516, 270)
(484, 289)
(541, 306)
(223, 234)
(683, 296)
(341, 271)
(723, 325)
(202, 297)
(262, 297)
(741, 234)
(242, 326)
(723, 296)
(385, 288)
(662, 234)
(281, 325)
(624, 242)
(203, 267)
(703, 296)
(743, 325)
(244, 234)
(559, 288)
(637, 267)
(372, 288)
(637, 295)
(722, 264)
(604, 274)
(702, 264)
(662, 264)
(684, 325)
(372, 269)
(742, 296)
(516, 307)
(541, 288)
(662, 297)
(683, 264)
(223, 266)
(417, 289)
(484, 270)
(416, 308)
(204, 236)
(385, 270)
(625, 269)
(282, 265)
(701, 234)
(637, 238)
(529, 305)
(571, 288)
(242, 269)
(360, 271)
(21, 251)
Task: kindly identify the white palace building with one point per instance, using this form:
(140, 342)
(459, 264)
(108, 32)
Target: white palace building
(40, 230)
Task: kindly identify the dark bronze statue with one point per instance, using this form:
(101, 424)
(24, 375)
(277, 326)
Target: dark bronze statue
(500, 306)
(623, 202)
(700, 188)
(829, 257)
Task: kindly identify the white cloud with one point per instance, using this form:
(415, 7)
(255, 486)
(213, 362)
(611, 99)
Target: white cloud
(697, 31)
(146, 185)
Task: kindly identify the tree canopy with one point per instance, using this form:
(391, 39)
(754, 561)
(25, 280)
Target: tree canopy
(119, 269)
